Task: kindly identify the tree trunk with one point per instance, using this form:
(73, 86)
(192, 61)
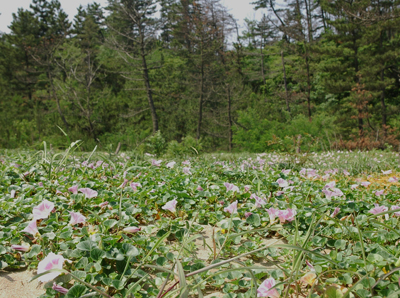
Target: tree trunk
(284, 79)
(229, 120)
(148, 87)
(308, 86)
(201, 98)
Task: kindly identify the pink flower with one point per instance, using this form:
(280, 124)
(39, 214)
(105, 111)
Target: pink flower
(279, 193)
(156, 163)
(353, 186)
(199, 188)
(232, 208)
(310, 265)
(282, 182)
(379, 209)
(40, 184)
(24, 247)
(264, 290)
(131, 229)
(365, 183)
(335, 212)
(171, 164)
(186, 163)
(89, 193)
(388, 172)
(43, 210)
(76, 218)
(336, 192)
(330, 185)
(12, 194)
(247, 188)
(286, 172)
(104, 204)
(135, 185)
(273, 213)
(186, 170)
(73, 189)
(286, 215)
(247, 214)
(259, 201)
(393, 179)
(124, 183)
(395, 208)
(379, 192)
(52, 261)
(31, 228)
(171, 205)
(59, 289)
(346, 173)
(231, 187)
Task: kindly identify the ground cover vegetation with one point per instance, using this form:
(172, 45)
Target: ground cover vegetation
(327, 71)
(132, 225)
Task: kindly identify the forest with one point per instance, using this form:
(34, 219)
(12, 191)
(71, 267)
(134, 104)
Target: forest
(168, 75)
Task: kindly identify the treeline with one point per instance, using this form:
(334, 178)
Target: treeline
(325, 70)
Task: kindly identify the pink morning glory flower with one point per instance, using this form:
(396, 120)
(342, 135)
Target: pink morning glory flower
(171, 205)
(286, 172)
(272, 212)
(171, 164)
(395, 208)
(393, 179)
(282, 182)
(279, 193)
(156, 163)
(135, 185)
(379, 209)
(247, 214)
(365, 183)
(31, 228)
(379, 192)
(186, 170)
(388, 172)
(231, 187)
(286, 215)
(52, 261)
(186, 163)
(24, 247)
(73, 189)
(104, 204)
(346, 173)
(132, 229)
(199, 188)
(88, 192)
(264, 290)
(124, 183)
(43, 210)
(259, 201)
(336, 192)
(353, 186)
(330, 185)
(247, 188)
(76, 218)
(12, 194)
(232, 208)
(335, 212)
(59, 289)
(40, 184)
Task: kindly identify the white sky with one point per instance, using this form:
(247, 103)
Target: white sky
(240, 9)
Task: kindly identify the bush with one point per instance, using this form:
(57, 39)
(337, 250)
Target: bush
(188, 147)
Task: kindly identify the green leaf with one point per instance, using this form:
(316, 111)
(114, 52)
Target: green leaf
(86, 245)
(129, 250)
(97, 254)
(76, 291)
(254, 220)
(109, 223)
(182, 280)
(34, 251)
(333, 292)
(3, 250)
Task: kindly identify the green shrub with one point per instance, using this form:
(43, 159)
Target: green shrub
(188, 147)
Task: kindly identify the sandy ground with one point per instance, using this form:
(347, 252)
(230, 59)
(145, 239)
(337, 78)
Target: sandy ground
(14, 284)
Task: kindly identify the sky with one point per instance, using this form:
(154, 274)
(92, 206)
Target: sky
(240, 9)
